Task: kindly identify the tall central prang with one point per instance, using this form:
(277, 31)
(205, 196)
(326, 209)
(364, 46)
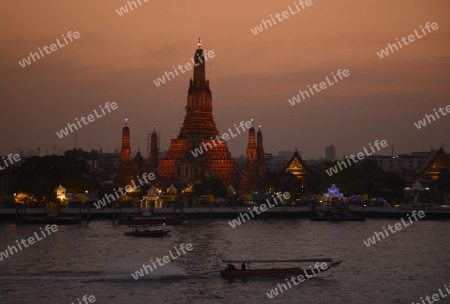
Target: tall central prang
(198, 131)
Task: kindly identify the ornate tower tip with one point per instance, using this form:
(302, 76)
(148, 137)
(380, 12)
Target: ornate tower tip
(199, 43)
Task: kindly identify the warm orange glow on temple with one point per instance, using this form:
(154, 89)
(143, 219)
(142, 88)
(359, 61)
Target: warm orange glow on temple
(179, 166)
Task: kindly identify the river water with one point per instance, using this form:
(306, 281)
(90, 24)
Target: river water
(98, 260)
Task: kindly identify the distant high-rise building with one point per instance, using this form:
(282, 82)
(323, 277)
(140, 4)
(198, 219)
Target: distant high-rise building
(330, 153)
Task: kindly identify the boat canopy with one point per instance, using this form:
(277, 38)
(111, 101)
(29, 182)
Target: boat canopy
(147, 226)
(281, 261)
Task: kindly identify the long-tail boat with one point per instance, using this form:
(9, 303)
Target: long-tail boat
(321, 265)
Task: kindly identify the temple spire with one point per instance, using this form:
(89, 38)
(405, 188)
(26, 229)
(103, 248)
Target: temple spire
(260, 155)
(125, 174)
(153, 157)
(199, 82)
(251, 147)
(255, 165)
(126, 150)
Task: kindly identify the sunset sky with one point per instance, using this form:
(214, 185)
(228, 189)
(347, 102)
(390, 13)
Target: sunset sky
(117, 58)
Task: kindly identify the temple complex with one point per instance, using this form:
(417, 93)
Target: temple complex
(198, 152)
(181, 165)
(436, 162)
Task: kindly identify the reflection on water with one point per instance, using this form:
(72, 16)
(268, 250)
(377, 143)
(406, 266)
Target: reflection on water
(99, 260)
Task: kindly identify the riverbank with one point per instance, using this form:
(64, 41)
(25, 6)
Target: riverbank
(8, 214)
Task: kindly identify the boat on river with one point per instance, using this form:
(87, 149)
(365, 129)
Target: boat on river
(321, 265)
(147, 231)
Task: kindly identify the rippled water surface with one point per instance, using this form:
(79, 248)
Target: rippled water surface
(98, 260)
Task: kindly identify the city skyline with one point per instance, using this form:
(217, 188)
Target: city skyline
(252, 76)
(286, 154)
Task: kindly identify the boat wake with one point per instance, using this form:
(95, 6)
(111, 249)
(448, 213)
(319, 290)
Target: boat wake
(172, 274)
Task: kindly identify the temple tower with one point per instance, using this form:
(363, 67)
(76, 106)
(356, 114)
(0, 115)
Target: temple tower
(198, 148)
(153, 157)
(251, 146)
(260, 155)
(252, 179)
(138, 165)
(125, 175)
